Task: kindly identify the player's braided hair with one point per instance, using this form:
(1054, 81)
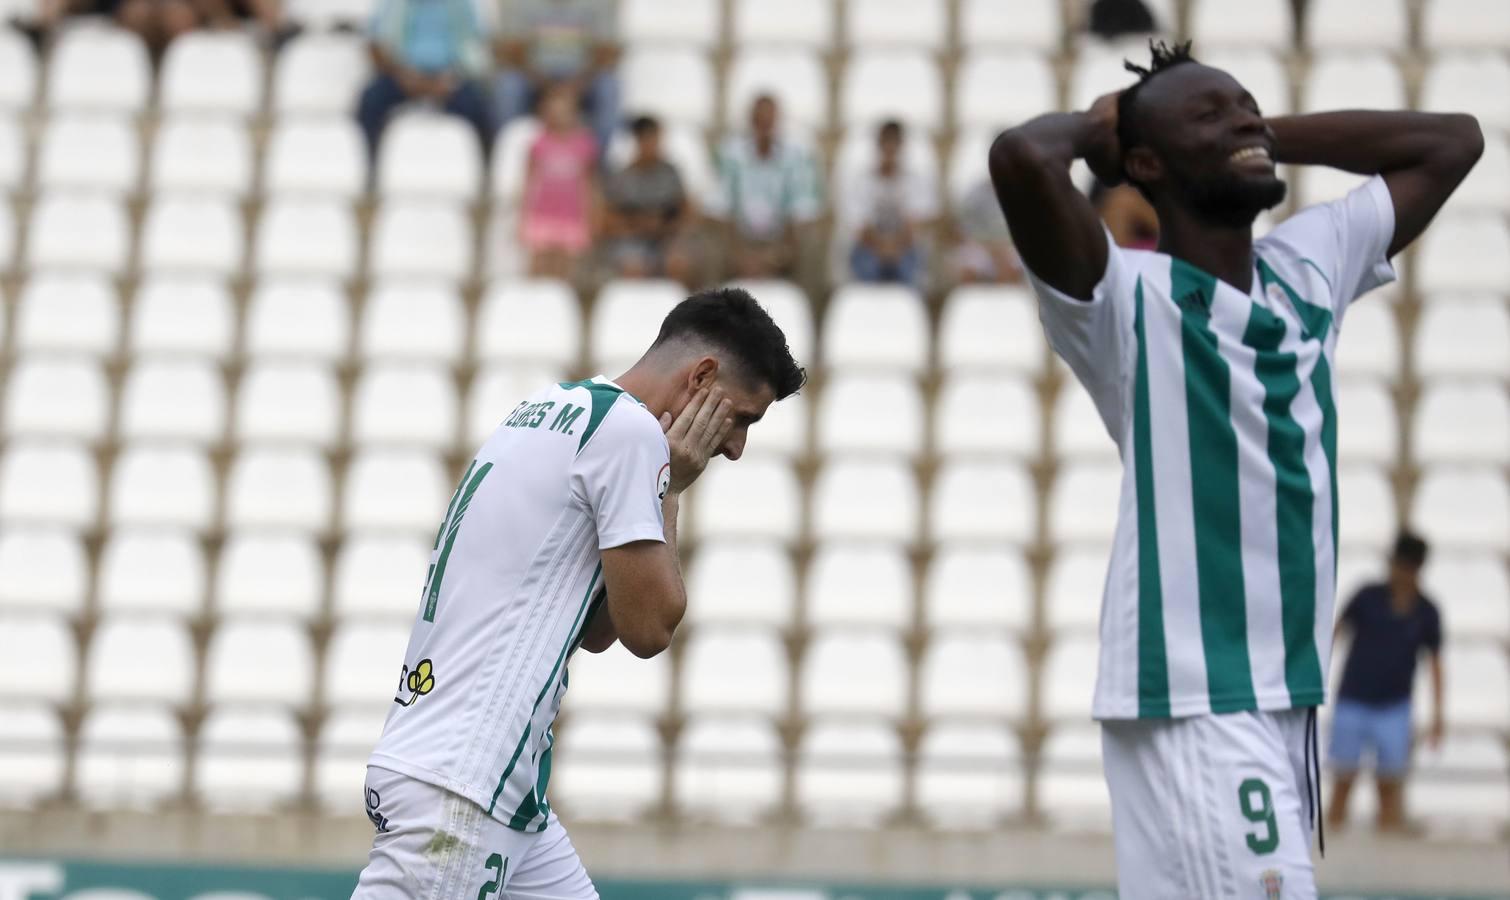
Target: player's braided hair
(1163, 58)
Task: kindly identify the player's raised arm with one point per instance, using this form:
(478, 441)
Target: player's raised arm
(1054, 226)
(1423, 157)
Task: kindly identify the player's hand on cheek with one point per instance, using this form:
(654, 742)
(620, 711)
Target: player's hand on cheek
(696, 434)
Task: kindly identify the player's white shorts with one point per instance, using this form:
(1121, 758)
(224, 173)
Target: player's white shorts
(1211, 806)
(435, 845)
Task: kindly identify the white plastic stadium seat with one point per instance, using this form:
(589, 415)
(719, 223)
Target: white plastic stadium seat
(89, 152)
(306, 237)
(759, 498)
(130, 757)
(533, 321)
(741, 670)
(415, 321)
(672, 83)
(269, 574)
(1069, 678)
(1465, 253)
(971, 775)
(511, 155)
(897, 23)
(1471, 700)
(1478, 24)
(982, 501)
(319, 157)
(828, 686)
(793, 76)
(135, 658)
(182, 315)
(891, 84)
(1267, 23)
(48, 482)
(1367, 501)
(875, 326)
(1462, 422)
(616, 680)
(152, 570)
(78, 231)
(62, 397)
(165, 485)
(986, 415)
(421, 240)
(1073, 589)
(1487, 187)
(991, 328)
(18, 71)
(866, 500)
(496, 390)
(380, 575)
(847, 422)
(365, 661)
(212, 72)
(1352, 81)
(626, 317)
(1461, 583)
(409, 405)
(99, 68)
(392, 489)
(68, 311)
(1333, 24)
(249, 760)
(346, 740)
(13, 149)
(741, 582)
(784, 430)
(32, 757)
(979, 98)
(990, 23)
(609, 768)
(320, 15)
(199, 235)
(202, 155)
(978, 588)
(728, 769)
(1461, 790)
(259, 661)
(42, 569)
(278, 488)
(40, 658)
(1071, 782)
(1083, 503)
(7, 237)
(1079, 432)
(972, 675)
(298, 318)
(805, 23)
(1098, 70)
(320, 74)
(1476, 83)
(282, 402)
(173, 399)
(1371, 348)
(1260, 71)
(431, 157)
(1368, 426)
(689, 22)
(859, 585)
(1467, 508)
(849, 774)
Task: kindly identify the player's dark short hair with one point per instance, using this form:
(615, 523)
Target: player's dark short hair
(643, 125)
(1163, 57)
(731, 320)
(1410, 550)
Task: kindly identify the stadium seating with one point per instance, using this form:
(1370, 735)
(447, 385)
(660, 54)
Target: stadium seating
(269, 574)
(152, 570)
(969, 773)
(607, 768)
(1267, 24)
(129, 757)
(42, 569)
(728, 769)
(182, 315)
(848, 774)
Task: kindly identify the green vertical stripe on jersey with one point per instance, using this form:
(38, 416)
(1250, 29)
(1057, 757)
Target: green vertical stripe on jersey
(1215, 498)
(603, 398)
(1153, 664)
(451, 526)
(1294, 501)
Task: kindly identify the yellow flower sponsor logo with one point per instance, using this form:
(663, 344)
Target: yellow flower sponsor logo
(417, 682)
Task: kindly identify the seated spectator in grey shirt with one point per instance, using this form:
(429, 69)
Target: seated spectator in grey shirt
(646, 210)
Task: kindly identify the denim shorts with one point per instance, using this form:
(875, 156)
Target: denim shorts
(1383, 731)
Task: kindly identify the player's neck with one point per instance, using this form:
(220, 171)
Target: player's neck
(1225, 251)
(639, 385)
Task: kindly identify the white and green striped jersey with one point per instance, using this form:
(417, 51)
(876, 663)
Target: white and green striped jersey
(515, 575)
(1220, 588)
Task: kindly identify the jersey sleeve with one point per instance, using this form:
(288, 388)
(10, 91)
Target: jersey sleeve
(1347, 240)
(622, 473)
(1095, 337)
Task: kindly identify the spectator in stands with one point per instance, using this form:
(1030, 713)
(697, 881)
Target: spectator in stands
(1132, 222)
(555, 224)
(890, 205)
(768, 192)
(158, 22)
(429, 51)
(646, 210)
(983, 251)
(542, 42)
(1391, 623)
(1112, 19)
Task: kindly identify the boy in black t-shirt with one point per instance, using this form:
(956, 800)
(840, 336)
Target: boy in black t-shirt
(1391, 624)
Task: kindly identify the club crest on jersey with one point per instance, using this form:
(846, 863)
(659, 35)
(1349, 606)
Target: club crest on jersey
(663, 481)
(1273, 882)
(416, 682)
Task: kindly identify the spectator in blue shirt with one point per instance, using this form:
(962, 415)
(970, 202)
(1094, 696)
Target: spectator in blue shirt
(1391, 624)
(546, 42)
(431, 51)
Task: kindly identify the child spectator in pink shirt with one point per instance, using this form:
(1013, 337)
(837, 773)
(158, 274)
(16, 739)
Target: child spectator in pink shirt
(555, 224)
